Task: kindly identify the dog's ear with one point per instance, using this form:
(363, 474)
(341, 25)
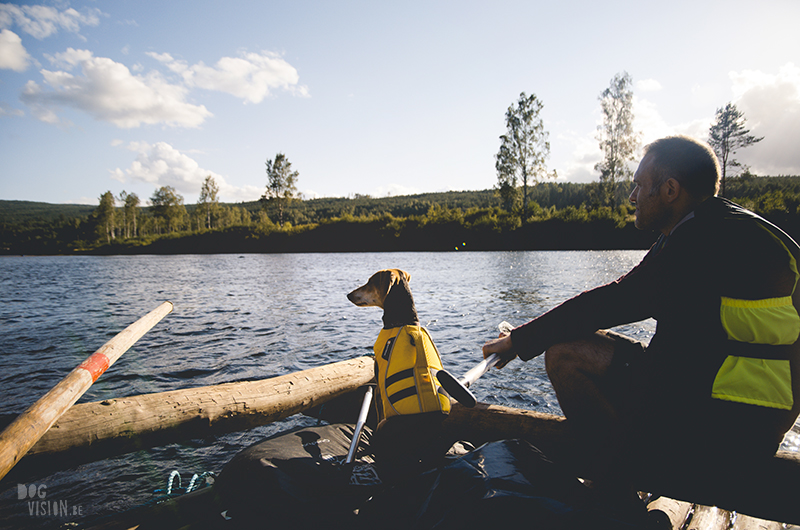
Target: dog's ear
(386, 278)
(405, 274)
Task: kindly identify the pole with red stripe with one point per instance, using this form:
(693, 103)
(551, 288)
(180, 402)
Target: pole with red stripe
(31, 425)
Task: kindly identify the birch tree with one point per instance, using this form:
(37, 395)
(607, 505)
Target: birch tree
(523, 149)
(131, 208)
(104, 214)
(618, 140)
(281, 184)
(168, 208)
(209, 200)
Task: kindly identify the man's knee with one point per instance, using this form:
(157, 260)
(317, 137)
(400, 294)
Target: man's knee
(560, 358)
(590, 356)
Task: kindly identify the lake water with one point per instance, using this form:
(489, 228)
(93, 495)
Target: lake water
(252, 317)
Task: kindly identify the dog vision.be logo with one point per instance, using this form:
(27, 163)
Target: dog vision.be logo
(39, 505)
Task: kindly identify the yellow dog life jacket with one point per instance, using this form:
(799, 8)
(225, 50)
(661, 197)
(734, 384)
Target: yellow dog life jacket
(406, 358)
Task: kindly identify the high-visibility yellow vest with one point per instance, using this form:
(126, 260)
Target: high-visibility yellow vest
(761, 334)
(407, 361)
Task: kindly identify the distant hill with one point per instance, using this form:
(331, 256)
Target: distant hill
(28, 211)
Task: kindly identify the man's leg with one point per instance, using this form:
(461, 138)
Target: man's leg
(576, 369)
(599, 393)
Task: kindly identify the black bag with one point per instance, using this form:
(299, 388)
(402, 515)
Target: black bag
(505, 484)
(298, 479)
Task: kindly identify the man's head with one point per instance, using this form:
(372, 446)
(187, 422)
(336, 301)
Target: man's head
(691, 162)
(675, 175)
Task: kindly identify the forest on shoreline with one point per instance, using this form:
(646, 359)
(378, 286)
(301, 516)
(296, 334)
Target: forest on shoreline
(560, 216)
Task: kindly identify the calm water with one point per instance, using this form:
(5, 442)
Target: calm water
(251, 317)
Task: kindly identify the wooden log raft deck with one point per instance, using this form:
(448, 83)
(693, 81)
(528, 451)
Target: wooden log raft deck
(739, 499)
(93, 431)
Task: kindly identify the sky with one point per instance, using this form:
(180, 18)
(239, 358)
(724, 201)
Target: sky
(370, 98)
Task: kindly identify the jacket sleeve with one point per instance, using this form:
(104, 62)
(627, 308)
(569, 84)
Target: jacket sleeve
(628, 299)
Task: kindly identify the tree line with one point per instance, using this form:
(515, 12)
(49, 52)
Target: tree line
(560, 215)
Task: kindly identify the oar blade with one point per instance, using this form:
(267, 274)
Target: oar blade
(456, 389)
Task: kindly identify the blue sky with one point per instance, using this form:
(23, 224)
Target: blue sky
(367, 97)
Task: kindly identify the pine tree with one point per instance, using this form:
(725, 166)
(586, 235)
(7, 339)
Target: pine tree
(726, 136)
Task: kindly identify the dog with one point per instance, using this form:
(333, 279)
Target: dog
(411, 402)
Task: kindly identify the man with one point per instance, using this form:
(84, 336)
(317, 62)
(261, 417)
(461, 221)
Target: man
(715, 382)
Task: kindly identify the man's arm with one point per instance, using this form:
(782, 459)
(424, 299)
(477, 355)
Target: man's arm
(629, 299)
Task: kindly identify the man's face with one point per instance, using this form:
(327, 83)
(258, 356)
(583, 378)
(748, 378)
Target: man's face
(651, 211)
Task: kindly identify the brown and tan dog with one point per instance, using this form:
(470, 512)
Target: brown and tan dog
(411, 403)
(388, 289)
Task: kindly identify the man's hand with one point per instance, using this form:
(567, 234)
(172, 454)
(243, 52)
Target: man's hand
(501, 346)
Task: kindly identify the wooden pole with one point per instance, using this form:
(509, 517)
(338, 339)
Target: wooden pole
(32, 424)
(93, 431)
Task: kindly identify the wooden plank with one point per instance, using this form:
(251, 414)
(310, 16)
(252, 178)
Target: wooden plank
(769, 489)
(31, 425)
(745, 522)
(92, 431)
(709, 518)
(485, 422)
(677, 511)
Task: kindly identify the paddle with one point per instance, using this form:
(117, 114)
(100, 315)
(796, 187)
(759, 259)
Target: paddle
(362, 419)
(459, 388)
(31, 425)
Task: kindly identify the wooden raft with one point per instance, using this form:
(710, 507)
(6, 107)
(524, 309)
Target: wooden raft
(745, 499)
(94, 431)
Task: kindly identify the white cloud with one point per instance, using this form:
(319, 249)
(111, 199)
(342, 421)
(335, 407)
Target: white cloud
(251, 77)
(771, 106)
(395, 190)
(109, 91)
(584, 154)
(43, 21)
(648, 85)
(69, 58)
(8, 110)
(160, 164)
(13, 55)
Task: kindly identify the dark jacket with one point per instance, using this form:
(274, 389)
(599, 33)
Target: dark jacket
(720, 288)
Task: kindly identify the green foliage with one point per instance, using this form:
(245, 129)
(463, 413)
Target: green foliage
(105, 218)
(169, 213)
(281, 185)
(561, 215)
(523, 151)
(208, 202)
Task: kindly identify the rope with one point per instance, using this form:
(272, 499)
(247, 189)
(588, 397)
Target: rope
(198, 481)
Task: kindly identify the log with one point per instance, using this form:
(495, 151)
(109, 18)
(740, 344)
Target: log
(709, 518)
(745, 522)
(766, 489)
(31, 425)
(483, 423)
(677, 511)
(93, 431)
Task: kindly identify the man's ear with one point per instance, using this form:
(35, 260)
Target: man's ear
(671, 190)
